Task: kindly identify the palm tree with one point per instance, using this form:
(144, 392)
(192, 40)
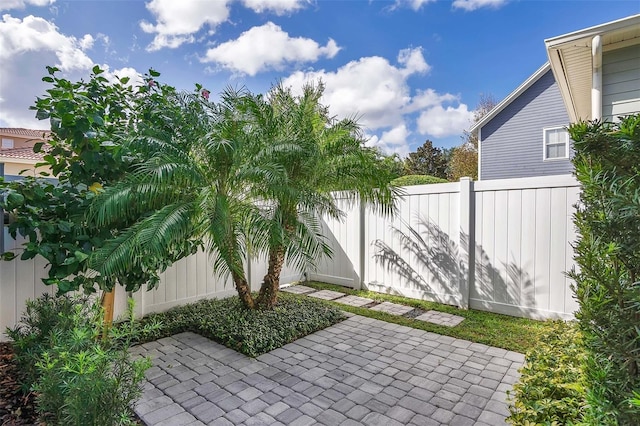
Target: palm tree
(246, 176)
(320, 155)
(195, 182)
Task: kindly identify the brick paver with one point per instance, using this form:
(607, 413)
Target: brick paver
(392, 308)
(298, 289)
(440, 318)
(360, 371)
(354, 300)
(325, 294)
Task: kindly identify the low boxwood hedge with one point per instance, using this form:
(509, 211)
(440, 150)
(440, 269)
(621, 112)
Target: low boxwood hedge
(250, 332)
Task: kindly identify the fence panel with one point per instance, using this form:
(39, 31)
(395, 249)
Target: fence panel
(502, 246)
(523, 237)
(415, 254)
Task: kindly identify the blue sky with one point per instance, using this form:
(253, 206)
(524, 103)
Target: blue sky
(410, 70)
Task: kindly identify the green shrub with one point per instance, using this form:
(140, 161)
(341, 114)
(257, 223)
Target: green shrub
(252, 332)
(551, 387)
(410, 180)
(607, 280)
(42, 320)
(79, 378)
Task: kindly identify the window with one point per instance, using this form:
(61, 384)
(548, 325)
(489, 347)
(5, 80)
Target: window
(7, 143)
(556, 143)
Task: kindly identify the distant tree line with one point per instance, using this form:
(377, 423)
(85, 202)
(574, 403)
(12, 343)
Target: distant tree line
(445, 163)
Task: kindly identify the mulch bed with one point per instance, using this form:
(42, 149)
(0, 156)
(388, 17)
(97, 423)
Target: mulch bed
(16, 408)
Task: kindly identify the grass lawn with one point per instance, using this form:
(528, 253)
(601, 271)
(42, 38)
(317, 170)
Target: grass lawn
(503, 331)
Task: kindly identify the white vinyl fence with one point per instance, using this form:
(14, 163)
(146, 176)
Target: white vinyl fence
(501, 246)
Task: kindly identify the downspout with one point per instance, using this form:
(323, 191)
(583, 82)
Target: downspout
(596, 80)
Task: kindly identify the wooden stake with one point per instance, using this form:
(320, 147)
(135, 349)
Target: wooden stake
(108, 301)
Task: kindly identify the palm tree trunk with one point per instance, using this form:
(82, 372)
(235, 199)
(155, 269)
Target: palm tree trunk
(244, 291)
(268, 295)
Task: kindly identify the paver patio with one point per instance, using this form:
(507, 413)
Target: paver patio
(360, 371)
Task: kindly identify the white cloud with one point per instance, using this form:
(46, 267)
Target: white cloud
(394, 141)
(177, 21)
(370, 88)
(279, 7)
(413, 4)
(429, 98)
(21, 4)
(441, 122)
(29, 45)
(135, 78)
(471, 5)
(86, 42)
(267, 47)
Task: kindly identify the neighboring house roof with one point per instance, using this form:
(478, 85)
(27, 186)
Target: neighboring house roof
(25, 153)
(513, 96)
(25, 133)
(570, 56)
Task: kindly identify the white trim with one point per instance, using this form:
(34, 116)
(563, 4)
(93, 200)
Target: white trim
(544, 143)
(557, 45)
(512, 96)
(479, 156)
(589, 33)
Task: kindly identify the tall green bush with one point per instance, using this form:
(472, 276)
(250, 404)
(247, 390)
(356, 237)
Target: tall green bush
(79, 378)
(607, 287)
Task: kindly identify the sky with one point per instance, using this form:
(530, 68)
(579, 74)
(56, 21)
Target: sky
(408, 70)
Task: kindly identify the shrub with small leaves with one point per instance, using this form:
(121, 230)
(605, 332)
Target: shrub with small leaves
(252, 332)
(79, 377)
(551, 388)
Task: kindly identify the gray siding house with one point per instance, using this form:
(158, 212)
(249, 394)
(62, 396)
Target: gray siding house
(525, 134)
(592, 74)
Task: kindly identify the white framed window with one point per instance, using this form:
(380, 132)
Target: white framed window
(555, 143)
(7, 143)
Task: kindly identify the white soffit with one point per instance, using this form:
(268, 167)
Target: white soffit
(570, 59)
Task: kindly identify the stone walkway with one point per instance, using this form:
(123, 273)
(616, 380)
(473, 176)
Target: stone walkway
(360, 371)
(435, 317)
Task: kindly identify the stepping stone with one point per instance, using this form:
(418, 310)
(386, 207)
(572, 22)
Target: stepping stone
(440, 318)
(354, 300)
(326, 294)
(298, 289)
(392, 308)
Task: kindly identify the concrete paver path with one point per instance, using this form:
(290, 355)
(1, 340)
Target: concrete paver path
(360, 371)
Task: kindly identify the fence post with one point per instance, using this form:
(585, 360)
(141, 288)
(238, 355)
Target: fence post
(361, 247)
(465, 242)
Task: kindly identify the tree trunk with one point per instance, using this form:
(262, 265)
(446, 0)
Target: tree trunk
(268, 295)
(244, 291)
(108, 301)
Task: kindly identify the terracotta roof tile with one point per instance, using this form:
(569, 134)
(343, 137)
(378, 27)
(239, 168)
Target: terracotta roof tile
(28, 133)
(21, 153)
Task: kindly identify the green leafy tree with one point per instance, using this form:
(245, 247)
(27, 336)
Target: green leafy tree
(90, 123)
(427, 160)
(464, 158)
(607, 282)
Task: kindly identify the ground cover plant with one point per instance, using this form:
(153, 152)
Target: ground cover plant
(251, 332)
(607, 283)
(551, 389)
(503, 331)
(78, 375)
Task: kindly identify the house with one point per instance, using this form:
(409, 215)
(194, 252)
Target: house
(591, 74)
(16, 151)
